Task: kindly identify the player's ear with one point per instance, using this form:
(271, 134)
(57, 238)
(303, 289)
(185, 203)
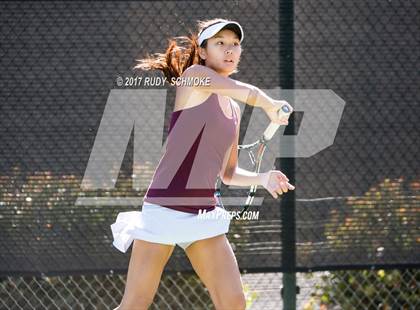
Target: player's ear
(202, 52)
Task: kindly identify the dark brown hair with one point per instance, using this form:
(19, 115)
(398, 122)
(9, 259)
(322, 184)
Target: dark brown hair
(181, 53)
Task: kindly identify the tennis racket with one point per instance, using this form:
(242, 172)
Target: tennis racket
(259, 147)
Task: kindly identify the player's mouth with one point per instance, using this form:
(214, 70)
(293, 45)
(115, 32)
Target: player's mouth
(229, 61)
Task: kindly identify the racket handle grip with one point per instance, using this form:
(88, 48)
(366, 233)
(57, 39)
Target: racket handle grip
(272, 128)
(270, 131)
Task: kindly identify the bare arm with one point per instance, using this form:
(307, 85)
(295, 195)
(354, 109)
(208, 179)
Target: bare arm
(274, 181)
(226, 86)
(242, 177)
(231, 174)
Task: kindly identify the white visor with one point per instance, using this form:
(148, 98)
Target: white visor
(215, 28)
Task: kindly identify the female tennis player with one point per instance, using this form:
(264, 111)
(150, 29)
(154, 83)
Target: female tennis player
(202, 144)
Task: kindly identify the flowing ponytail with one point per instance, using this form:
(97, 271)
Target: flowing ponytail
(181, 53)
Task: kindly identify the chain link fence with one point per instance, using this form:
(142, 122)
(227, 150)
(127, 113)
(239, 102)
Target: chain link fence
(347, 289)
(357, 199)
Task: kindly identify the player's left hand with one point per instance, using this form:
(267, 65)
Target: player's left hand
(276, 183)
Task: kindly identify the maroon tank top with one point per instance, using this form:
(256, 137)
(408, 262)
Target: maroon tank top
(198, 140)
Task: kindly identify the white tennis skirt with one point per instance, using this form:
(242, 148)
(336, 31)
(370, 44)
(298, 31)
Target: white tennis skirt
(167, 226)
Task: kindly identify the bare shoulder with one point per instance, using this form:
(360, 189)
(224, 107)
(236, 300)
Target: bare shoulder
(189, 97)
(189, 72)
(198, 70)
(193, 70)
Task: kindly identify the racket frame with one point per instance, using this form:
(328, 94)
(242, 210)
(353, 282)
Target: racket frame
(256, 160)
